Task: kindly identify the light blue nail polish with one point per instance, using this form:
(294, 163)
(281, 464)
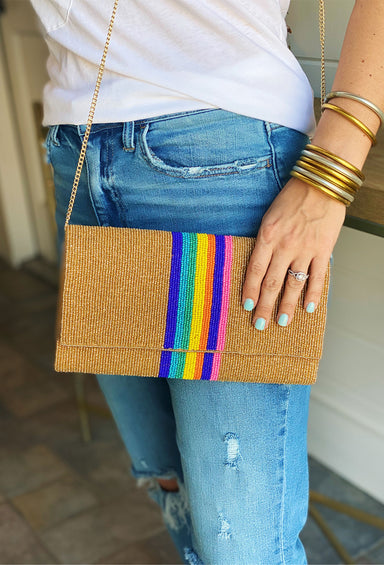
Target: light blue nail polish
(311, 307)
(283, 320)
(249, 305)
(260, 324)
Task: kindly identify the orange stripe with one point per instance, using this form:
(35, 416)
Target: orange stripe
(198, 365)
(207, 304)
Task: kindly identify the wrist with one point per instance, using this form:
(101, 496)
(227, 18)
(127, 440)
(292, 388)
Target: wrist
(311, 199)
(341, 137)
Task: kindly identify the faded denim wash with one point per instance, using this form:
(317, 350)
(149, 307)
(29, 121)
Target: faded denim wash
(238, 449)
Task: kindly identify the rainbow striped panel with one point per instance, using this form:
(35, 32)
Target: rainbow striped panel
(198, 301)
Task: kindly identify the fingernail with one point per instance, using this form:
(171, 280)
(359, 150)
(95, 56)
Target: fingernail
(283, 320)
(311, 307)
(260, 324)
(249, 305)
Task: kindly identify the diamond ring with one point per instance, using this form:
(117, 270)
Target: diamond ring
(299, 275)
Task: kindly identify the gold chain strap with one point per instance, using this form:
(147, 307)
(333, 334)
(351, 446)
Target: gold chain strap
(97, 89)
(90, 116)
(322, 43)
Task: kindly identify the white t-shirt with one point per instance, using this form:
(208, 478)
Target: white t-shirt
(170, 56)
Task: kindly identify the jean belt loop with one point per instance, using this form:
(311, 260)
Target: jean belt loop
(81, 129)
(53, 135)
(128, 136)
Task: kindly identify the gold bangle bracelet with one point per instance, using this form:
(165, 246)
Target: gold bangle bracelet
(328, 174)
(322, 160)
(325, 183)
(371, 105)
(339, 160)
(319, 187)
(328, 169)
(352, 119)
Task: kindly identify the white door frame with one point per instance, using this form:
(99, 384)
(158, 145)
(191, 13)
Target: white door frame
(19, 24)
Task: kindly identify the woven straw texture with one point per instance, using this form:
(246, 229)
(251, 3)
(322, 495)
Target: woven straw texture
(168, 304)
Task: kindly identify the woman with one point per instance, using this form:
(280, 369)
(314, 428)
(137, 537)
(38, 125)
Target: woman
(202, 114)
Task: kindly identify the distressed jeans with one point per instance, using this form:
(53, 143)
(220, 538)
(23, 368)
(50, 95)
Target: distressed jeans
(237, 449)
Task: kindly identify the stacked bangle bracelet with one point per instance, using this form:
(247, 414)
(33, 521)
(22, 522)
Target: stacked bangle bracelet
(327, 172)
(330, 174)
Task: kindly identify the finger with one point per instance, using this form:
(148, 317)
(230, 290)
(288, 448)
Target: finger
(270, 288)
(256, 269)
(292, 291)
(316, 280)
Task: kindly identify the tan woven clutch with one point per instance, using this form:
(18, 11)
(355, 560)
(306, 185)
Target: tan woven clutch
(121, 312)
(179, 316)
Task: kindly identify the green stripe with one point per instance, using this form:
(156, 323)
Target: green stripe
(188, 303)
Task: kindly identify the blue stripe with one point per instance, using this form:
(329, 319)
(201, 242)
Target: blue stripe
(207, 367)
(173, 301)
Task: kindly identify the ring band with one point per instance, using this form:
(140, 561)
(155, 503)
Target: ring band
(299, 275)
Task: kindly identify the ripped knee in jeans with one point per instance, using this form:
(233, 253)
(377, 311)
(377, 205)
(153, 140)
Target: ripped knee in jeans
(173, 503)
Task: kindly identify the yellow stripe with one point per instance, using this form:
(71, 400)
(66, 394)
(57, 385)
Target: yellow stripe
(189, 367)
(198, 304)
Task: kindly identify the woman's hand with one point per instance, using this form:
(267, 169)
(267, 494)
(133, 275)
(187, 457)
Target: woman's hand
(298, 231)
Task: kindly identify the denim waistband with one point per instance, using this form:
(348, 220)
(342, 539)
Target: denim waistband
(98, 127)
(259, 128)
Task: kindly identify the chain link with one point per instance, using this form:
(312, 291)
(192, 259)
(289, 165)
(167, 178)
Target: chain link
(322, 44)
(90, 116)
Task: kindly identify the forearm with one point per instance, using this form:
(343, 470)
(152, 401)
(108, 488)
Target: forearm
(360, 71)
(300, 228)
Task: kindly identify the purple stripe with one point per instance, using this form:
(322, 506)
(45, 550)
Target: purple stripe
(216, 292)
(207, 367)
(173, 300)
(165, 363)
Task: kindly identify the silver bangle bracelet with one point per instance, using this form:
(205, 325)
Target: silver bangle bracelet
(333, 165)
(325, 183)
(368, 103)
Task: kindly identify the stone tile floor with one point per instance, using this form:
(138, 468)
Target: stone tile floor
(66, 501)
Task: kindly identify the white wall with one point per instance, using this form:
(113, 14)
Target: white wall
(303, 18)
(346, 428)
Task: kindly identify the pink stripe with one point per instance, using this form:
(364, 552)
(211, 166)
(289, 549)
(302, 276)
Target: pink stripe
(224, 307)
(215, 366)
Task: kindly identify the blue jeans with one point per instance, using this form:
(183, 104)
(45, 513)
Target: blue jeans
(238, 450)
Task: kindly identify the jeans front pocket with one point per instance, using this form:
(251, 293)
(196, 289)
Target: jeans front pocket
(207, 146)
